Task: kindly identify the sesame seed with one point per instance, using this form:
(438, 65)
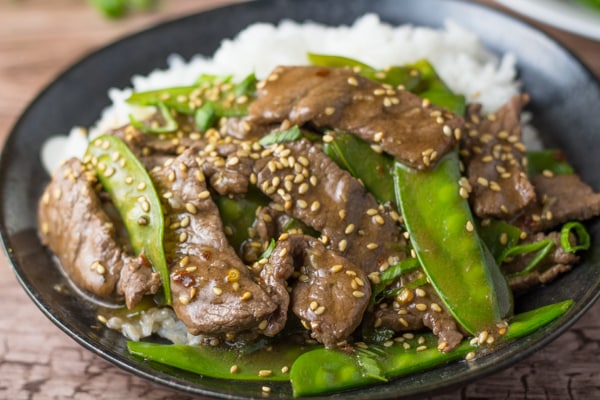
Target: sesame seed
(266, 389)
(183, 237)
(342, 214)
(421, 348)
(233, 369)
(372, 246)
(470, 355)
(303, 188)
(352, 81)
(301, 203)
(349, 229)
(315, 206)
(469, 226)
(336, 268)
(191, 208)
(358, 293)
(246, 296)
(421, 307)
(436, 307)
(320, 310)
(329, 110)
(205, 194)
(420, 292)
(342, 245)
(263, 324)
(265, 372)
(403, 322)
(378, 219)
(482, 181)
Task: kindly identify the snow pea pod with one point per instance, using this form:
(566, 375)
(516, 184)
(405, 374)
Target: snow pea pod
(357, 157)
(394, 76)
(547, 160)
(443, 235)
(269, 363)
(400, 359)
(126, 180)
(227, 99)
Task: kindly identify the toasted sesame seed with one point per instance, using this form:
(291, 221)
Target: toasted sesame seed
(469, 226)
(378, 219)
(435, 307)
(183, 237)
(470, 355)
(303, 188)
(421, 348)
(342, 245)
(315, 205)
(320, 310)
(266, 389)
(358, 293)
(349, 229)
(421, 307)
(263, 324)
(205, 194)
(352, 81)
(342, 214)
(403, 322)
(336, 268)
(420, 292)
(301, 203)
(183, 299)
(233, 369)
(265, 372)
(329, 110)
(372, 246)
(482, 181)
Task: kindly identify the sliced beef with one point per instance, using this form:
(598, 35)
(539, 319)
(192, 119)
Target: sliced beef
(314, 190)
(77, 226)
(495, 161)
(400, 122)
(557, 262)
(415, 309)
(561, 198)
(329, 295)
(213, 291)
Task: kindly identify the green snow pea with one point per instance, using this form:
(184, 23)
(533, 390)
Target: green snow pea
(228, 99)
(344, 370)
(357, 157)
(126, 180)
(433, 88)
(395, 76)
(323, 371)
(547, 160)
(267, 363)
(239, 214)
(442, 232)
(169, 126)
(498, 236)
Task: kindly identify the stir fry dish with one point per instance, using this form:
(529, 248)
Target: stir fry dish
(332, 225)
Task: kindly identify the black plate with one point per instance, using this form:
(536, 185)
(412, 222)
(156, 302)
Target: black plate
(566, 98)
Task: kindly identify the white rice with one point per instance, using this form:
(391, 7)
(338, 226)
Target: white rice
(457, 55)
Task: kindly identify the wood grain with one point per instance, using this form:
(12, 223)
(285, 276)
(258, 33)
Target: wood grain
(38, 39)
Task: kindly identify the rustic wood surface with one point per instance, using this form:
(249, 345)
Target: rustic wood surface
(38, 39)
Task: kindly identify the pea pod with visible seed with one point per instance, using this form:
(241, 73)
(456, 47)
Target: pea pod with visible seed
(442, 232)
(126, 180)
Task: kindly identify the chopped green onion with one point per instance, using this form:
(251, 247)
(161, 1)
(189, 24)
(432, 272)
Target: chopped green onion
(169, 126)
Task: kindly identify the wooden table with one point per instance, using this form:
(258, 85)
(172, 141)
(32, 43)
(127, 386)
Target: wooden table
(38, 39)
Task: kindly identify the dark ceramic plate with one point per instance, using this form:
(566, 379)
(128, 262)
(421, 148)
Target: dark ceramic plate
(565, 106)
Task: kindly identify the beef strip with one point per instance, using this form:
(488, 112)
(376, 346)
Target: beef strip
(495, 161)
(329, 295)
(214, 293)
(561, 198)
(415, 309)
(400, 122)
(557, 262)
(332, 202)
(75, 225)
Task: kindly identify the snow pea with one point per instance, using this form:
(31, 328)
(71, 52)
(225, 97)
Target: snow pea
(433, 88)
(324, 371)
(443, 235)
(499, 236)
(132, 192)
(395, 76)
(170, 124)
(345, 370)
(227, 99)
(357, 157)
(547, 160)
(271, 362)
(238, 214)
